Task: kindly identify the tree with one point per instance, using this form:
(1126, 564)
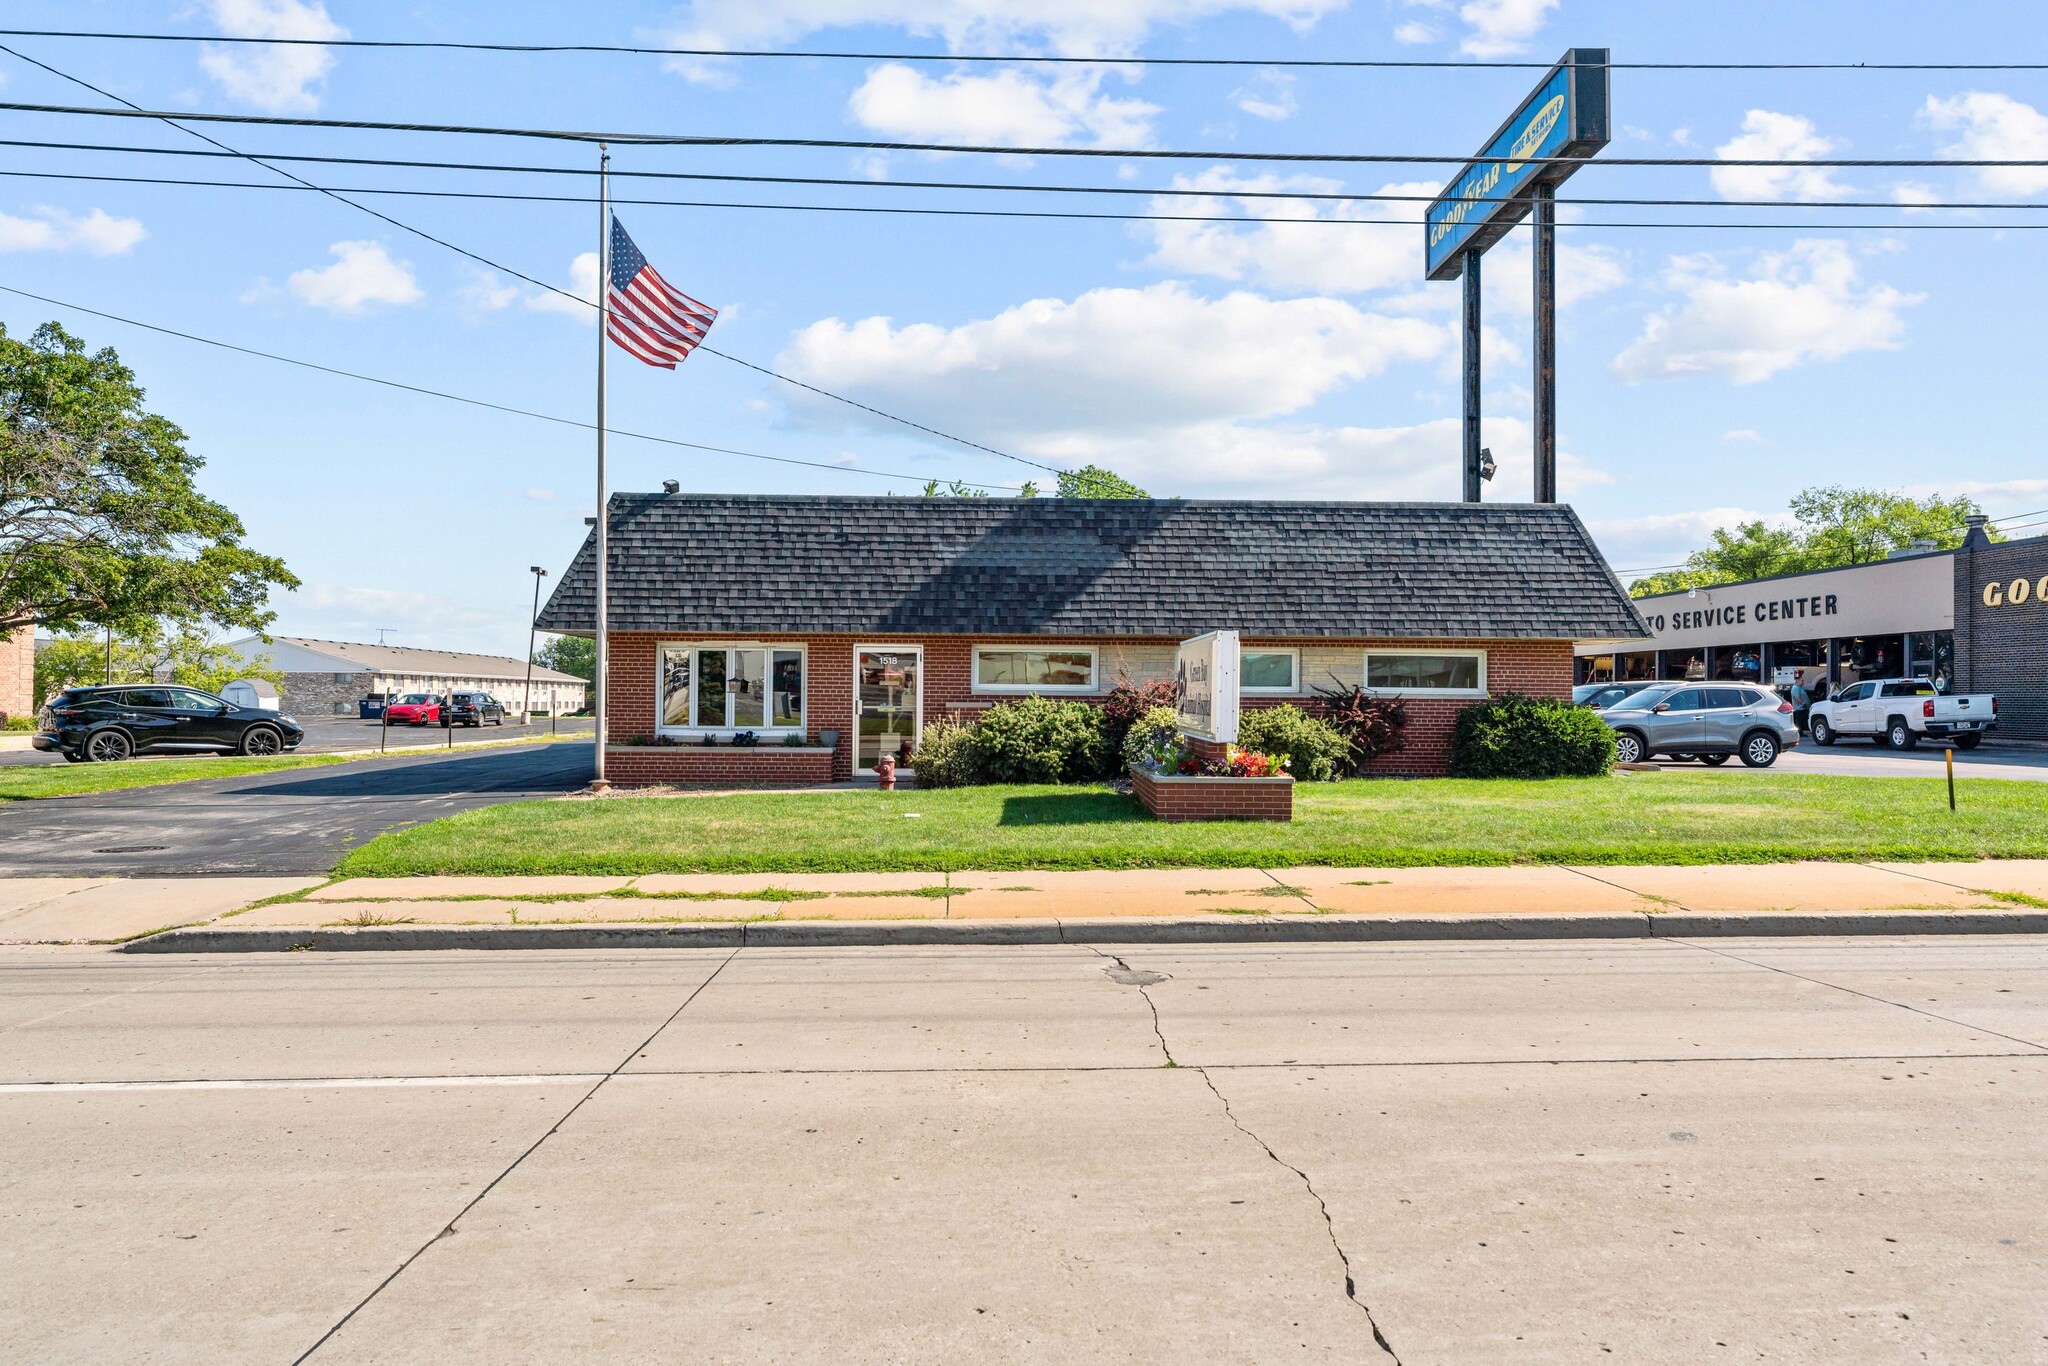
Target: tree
(1092, 481)
(99, 518)
(1833, 527)
(158, 653)
(570, 655)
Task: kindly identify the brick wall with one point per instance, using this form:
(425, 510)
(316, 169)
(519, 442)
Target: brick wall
(2002, 645)
(1216, 799)
(18, 672)
(1539, 668)
(692, 766)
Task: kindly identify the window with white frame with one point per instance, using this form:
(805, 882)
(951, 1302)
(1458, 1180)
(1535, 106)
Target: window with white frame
(1034, 668)
(731, 687)
(1425, 673)
(1268, 671)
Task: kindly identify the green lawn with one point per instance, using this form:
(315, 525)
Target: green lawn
(69, 780)
(1634, 818)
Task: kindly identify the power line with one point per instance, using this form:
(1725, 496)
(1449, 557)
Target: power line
(875, 145)
(134, 110)
(938, 212)
(485, 403)
(1016, 58)
(855, 182)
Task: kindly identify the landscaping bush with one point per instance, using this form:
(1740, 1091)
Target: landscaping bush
(949, 755)
(1371, 725)
(1038, 740)
(1153, 742)
(1527, 737)
(21, 722)
(1315, 750)
(1128, 703)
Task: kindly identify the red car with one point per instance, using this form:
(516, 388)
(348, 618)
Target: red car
(415, 708)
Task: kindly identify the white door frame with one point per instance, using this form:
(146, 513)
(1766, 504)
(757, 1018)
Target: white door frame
(917, 713)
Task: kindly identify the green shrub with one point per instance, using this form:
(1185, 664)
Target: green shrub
(1129, 701)
(948, 755)
(1315, 750)
(1528, 737)
(1038, 740)
(1152, 736)
(20, 722)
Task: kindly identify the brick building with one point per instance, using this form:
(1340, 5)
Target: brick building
(329, 677)
(18, 672)
(835, 629)
(2001, 628)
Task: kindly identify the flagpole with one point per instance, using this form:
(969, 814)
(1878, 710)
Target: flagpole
(604, 238)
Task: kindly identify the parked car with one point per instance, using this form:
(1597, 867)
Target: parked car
(475, 708)
(107, 724)
(1899, 711)
(1600, 696)
(1709, 721)
(414, 709)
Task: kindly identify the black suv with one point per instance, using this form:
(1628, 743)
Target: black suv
(105, 725)
(473, 709)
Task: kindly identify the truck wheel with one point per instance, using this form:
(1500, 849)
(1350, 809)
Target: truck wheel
(1628, 748)
(1899, 735)
(1968, 741)
(1823, 733)
(1759, 749)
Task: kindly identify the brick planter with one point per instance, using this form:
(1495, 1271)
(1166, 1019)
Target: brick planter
(722, 766)
(1215, 799)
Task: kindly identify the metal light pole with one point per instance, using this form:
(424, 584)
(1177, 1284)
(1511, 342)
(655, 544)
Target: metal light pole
(602, 547)
(526, 704)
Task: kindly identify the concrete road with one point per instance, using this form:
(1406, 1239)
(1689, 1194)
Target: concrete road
(1861, 758)
(295, 821)
(1793, 1150)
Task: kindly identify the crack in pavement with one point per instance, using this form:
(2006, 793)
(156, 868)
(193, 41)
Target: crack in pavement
(1126, 975)
(448, 1229)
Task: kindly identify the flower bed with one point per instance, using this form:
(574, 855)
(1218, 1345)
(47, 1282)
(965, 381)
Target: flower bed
(1199, 780)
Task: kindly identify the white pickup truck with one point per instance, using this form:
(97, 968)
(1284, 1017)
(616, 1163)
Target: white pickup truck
(1898, 711)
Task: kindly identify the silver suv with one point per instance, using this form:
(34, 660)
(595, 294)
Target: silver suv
(1709, 721)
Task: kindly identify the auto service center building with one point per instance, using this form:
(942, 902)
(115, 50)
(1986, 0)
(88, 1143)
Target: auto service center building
(834, 629)
(1974, 620)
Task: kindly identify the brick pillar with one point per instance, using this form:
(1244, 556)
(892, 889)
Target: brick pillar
(1208, 751)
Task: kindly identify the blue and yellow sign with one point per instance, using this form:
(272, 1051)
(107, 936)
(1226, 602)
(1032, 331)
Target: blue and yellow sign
(1566, 116)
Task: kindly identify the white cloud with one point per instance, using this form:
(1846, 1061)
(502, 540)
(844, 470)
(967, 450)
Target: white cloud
(1415, 33)
(278, 79)
(1749, 434)
(539, 495)
(1007, 108)
(333, 611)
(1325, 256)
(1767, 136)
(1637, 545)
(487, 293)
(1798, 306)
(1994, 127)
(1270, 97)
(1067, 28)
(97, 233)
(363, 273)
(1501, 28)
(1582, 272)
(582, 283)
(1995, 495)
(1915, 194)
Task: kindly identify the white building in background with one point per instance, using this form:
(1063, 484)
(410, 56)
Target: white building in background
(329, 677)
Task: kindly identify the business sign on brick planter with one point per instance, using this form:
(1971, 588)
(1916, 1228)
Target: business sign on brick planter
(1205, 687)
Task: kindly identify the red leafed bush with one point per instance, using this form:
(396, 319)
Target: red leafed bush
(1372, 725)
(1127, 702)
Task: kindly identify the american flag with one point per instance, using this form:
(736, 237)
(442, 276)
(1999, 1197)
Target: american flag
(649, 317)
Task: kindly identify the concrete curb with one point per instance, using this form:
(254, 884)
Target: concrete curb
(1291, 930)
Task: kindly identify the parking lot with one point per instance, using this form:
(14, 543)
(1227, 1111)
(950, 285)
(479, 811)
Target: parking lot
(1862, 759)
(339, 734)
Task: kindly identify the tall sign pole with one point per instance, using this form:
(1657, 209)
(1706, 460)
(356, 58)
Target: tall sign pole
(604, 240)
(1563, 122)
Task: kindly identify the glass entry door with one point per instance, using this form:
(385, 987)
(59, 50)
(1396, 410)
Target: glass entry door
(886, 703)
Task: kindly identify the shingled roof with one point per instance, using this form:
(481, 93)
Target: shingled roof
(1088, 566)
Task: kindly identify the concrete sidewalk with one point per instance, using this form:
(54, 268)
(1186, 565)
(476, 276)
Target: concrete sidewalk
(1153, 904)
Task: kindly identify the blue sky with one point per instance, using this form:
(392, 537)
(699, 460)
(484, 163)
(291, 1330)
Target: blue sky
(1704, 374)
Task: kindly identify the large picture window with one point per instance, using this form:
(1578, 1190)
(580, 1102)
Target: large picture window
(732, 687)
(1426, 673)
(1268, 671)
(1032, 668)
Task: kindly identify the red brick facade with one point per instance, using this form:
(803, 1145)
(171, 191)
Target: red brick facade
(1539, 668)
(18, 672)
(1214, 799)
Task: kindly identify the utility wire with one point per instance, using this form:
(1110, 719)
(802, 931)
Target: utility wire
(136, 111)
(485, 403)
(856, 182)
(1250, 220)
(873, 145)
(1019, 58)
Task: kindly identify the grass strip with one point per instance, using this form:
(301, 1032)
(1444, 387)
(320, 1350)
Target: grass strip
(32, 782)
(1638, 818)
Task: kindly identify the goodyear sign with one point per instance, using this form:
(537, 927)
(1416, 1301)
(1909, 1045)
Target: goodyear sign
(1566, 116)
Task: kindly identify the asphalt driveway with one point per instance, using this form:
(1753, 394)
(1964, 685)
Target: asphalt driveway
(297, 821)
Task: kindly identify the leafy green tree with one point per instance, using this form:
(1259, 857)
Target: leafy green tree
(158, 652)
(1092, 481)
(1833, 527)
(99, 518)
(570, 655)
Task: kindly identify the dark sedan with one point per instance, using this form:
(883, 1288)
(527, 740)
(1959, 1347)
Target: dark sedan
(108, 724)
